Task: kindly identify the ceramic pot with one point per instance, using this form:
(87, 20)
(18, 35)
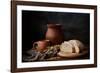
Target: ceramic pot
(54, 34)
(41, 45)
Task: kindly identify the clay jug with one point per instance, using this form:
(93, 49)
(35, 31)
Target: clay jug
(54, 34)
(41, 45)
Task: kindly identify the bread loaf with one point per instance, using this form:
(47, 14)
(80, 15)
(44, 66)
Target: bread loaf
(72, 46)
(77, 45)
(66, 47)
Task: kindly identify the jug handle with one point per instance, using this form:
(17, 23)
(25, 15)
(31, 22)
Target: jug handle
(35, 45)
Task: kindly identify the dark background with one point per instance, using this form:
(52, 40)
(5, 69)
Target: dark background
(34, 26)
